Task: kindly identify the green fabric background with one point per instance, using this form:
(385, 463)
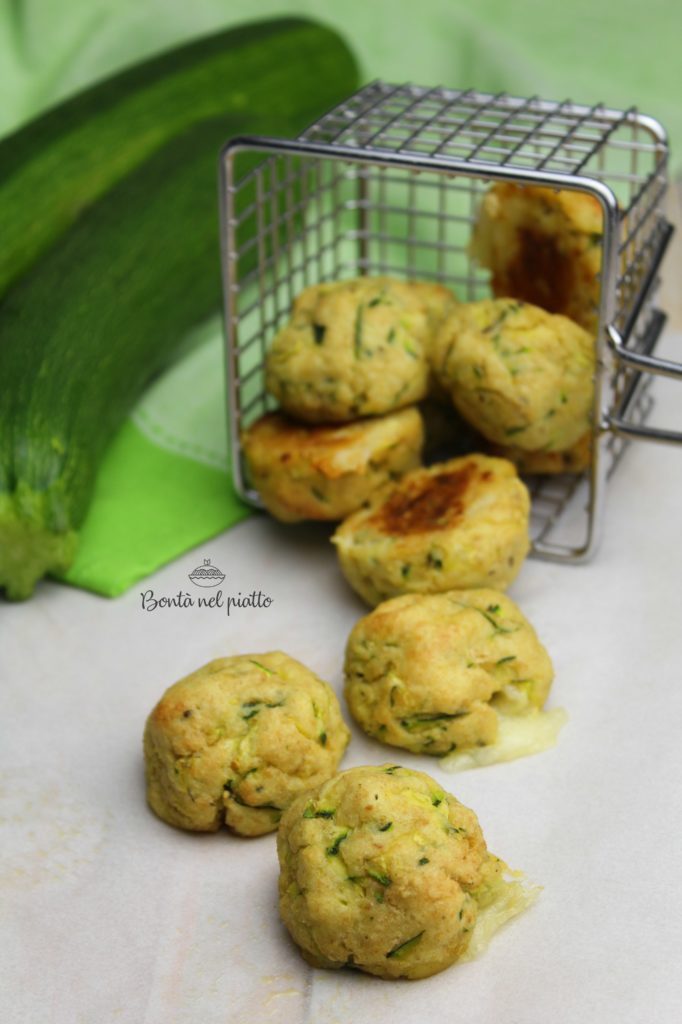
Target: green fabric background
(165, 485)
(620, 53)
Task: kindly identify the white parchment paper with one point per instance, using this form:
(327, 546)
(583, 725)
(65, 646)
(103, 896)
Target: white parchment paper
(110, 915)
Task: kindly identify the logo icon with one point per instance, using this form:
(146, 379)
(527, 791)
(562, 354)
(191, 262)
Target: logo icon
(207, 575)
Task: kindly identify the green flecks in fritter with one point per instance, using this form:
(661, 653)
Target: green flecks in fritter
(322, 739)
(392, 769)
(332, 851)
(425, 720)
(422, 861)
(319, 495)
(488, 615)
(380, 877)
(437, 799)
(494, 623)
(504, 661)
(319, 331)
(435, 560)
(513, 307)
(250, 708)
(401, 391)
(268, 671)
(230, 787)
(357, 334)
(386, 827)
(405, 570)
(410, 349)
(402, 950)
(321, 812)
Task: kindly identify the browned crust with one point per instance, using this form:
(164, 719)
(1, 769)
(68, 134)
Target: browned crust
(433, 501)
(551, 267)
(286, 437)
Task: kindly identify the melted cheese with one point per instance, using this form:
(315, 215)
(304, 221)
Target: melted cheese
(519, 736)
(506, 896)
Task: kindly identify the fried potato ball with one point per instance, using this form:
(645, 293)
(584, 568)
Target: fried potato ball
(237, 740)
(383, 871)
(353, 348)
(458, 524)
(543, 246)
(326, 472)
(519, 375)
(428, 672)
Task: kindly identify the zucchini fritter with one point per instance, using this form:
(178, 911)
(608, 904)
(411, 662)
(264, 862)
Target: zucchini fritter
(456, 525)
(237, 740)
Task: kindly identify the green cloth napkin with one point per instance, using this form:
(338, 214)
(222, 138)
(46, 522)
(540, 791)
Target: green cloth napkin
(165, 484)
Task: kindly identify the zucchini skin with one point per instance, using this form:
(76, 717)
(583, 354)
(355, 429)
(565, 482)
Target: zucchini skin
(103, 309)
(57, 165)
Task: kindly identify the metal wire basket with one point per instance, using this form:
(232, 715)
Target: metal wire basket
(389, 182)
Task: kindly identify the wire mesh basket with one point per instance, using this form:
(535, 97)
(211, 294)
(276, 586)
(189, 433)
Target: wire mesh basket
(389, 183)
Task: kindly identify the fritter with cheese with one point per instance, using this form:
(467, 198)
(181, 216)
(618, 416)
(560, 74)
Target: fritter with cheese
(383, 871)
(430, 672)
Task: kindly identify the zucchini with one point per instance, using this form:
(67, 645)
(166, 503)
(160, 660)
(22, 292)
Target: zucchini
(104, 307)
(57, 165)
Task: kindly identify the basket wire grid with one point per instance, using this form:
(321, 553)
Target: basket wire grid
(389, 182)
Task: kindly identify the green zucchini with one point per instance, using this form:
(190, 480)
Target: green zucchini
(106, 304)
(60, 163)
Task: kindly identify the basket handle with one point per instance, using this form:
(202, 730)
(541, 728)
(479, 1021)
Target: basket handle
(641, 362)
(642, 433)
(638, 360)
(617, 341)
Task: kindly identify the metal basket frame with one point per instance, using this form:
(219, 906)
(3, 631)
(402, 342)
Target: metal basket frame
(301, 206)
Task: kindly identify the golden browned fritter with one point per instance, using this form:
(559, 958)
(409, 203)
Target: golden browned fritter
(326, 472)
(383, 871)
(517, 374)
(429, 672)
(237, 740)
(354, 348)
(543, 246)
(456, 525)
